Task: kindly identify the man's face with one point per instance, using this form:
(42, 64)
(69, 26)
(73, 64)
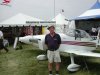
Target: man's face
(51, 29)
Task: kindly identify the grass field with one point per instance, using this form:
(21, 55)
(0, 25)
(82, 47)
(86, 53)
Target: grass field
(24, 62)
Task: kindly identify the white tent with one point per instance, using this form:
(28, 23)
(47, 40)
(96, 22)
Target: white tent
(72, 25)
(61, 23)
(18, 20)
(60, 19)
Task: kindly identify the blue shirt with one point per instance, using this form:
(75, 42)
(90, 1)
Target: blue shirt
(52, 42)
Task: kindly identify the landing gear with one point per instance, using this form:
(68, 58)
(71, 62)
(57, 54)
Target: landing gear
(73, 67)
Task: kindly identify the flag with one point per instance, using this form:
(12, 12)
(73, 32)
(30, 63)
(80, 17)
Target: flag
(62, 10)
(6, 1)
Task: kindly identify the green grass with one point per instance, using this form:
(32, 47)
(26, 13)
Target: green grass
(24, 62)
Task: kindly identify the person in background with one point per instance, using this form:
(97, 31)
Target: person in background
(93, 33)
(98, 28)
(53, 41)
(1, 42)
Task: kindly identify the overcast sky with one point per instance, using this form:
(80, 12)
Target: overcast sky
(44, 9)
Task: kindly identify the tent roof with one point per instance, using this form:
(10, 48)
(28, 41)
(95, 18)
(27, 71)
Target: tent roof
(96, 5)
(60, 19)
(19, 19)
(92, 13)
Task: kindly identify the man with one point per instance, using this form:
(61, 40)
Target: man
(1, 42)
(53, 41)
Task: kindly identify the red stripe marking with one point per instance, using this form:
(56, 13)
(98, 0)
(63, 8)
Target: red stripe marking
(78, 43)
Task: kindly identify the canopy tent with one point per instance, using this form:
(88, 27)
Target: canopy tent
(72, 25)
(60, 19)
(62, 24)
(18, 20)
(92, 13)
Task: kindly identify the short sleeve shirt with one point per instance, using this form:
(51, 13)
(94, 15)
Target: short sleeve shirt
(52, 42)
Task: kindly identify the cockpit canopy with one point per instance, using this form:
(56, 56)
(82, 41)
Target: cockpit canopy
(77, 33)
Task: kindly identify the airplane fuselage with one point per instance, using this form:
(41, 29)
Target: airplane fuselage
(68, 44)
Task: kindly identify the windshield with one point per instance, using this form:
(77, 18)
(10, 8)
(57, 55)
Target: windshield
(77, 33)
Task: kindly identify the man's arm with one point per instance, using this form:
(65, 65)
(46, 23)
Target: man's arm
(59, 40)
(46, 43)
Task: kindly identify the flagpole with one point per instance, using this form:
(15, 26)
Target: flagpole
(62, 10)
(54, 8)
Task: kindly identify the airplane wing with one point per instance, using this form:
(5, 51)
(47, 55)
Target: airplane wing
(83, 53)
(92, 54)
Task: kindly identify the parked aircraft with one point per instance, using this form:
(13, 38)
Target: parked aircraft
(74, 41)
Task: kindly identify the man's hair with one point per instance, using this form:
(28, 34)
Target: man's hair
(50, 27)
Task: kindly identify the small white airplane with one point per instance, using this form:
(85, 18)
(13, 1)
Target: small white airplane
(75, 41)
